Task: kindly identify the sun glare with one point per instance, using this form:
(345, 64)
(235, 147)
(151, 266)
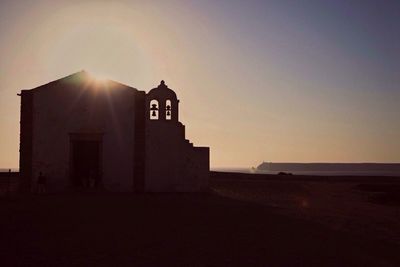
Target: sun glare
(99, 78)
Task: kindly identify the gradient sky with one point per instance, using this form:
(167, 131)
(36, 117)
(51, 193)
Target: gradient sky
(279, 80)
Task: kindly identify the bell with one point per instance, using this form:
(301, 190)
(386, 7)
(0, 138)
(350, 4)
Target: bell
(168, 107)
(168, 113)
(153, 113)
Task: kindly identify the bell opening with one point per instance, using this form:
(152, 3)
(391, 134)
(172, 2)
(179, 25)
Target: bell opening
(168, 114)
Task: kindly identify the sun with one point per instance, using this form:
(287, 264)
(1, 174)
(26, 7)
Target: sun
(98, 77)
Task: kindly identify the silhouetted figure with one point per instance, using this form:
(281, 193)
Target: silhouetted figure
(41, 182)
(86, 181)
(92, 179)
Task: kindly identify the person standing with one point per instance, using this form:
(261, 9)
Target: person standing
(92, 179)
(41, 182)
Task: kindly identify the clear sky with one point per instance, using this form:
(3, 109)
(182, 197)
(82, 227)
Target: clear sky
(279, 80)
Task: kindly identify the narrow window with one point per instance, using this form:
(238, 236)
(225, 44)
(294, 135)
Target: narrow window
(168, 111)
(153, 109)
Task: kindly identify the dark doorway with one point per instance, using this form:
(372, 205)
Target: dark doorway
(85, 163)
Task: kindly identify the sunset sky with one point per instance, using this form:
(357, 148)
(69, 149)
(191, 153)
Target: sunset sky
(279, 80)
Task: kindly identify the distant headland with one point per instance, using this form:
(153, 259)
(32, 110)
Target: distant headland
(331, 168)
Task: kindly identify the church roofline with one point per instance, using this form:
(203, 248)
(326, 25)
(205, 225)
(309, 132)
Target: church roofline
(84, 75)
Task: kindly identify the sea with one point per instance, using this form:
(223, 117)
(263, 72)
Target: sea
(8, 169)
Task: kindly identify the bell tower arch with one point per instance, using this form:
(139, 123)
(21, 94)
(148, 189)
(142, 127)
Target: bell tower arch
(162, 104)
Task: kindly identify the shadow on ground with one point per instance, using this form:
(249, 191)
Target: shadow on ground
(172, 230)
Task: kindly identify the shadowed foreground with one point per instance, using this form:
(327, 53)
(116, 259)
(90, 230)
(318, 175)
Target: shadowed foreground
(172, 229)
(366, 206)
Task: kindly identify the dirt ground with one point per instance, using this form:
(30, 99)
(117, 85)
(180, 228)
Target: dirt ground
(238, 223)
(367, 208)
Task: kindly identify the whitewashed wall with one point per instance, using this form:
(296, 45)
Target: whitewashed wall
(62, 108)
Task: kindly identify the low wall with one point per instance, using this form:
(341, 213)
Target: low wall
(9, 183)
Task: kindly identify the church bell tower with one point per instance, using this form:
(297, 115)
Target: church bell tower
(162, 104)
(173, 164)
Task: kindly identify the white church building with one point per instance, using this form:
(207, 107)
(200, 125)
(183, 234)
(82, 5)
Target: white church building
(81, 133)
